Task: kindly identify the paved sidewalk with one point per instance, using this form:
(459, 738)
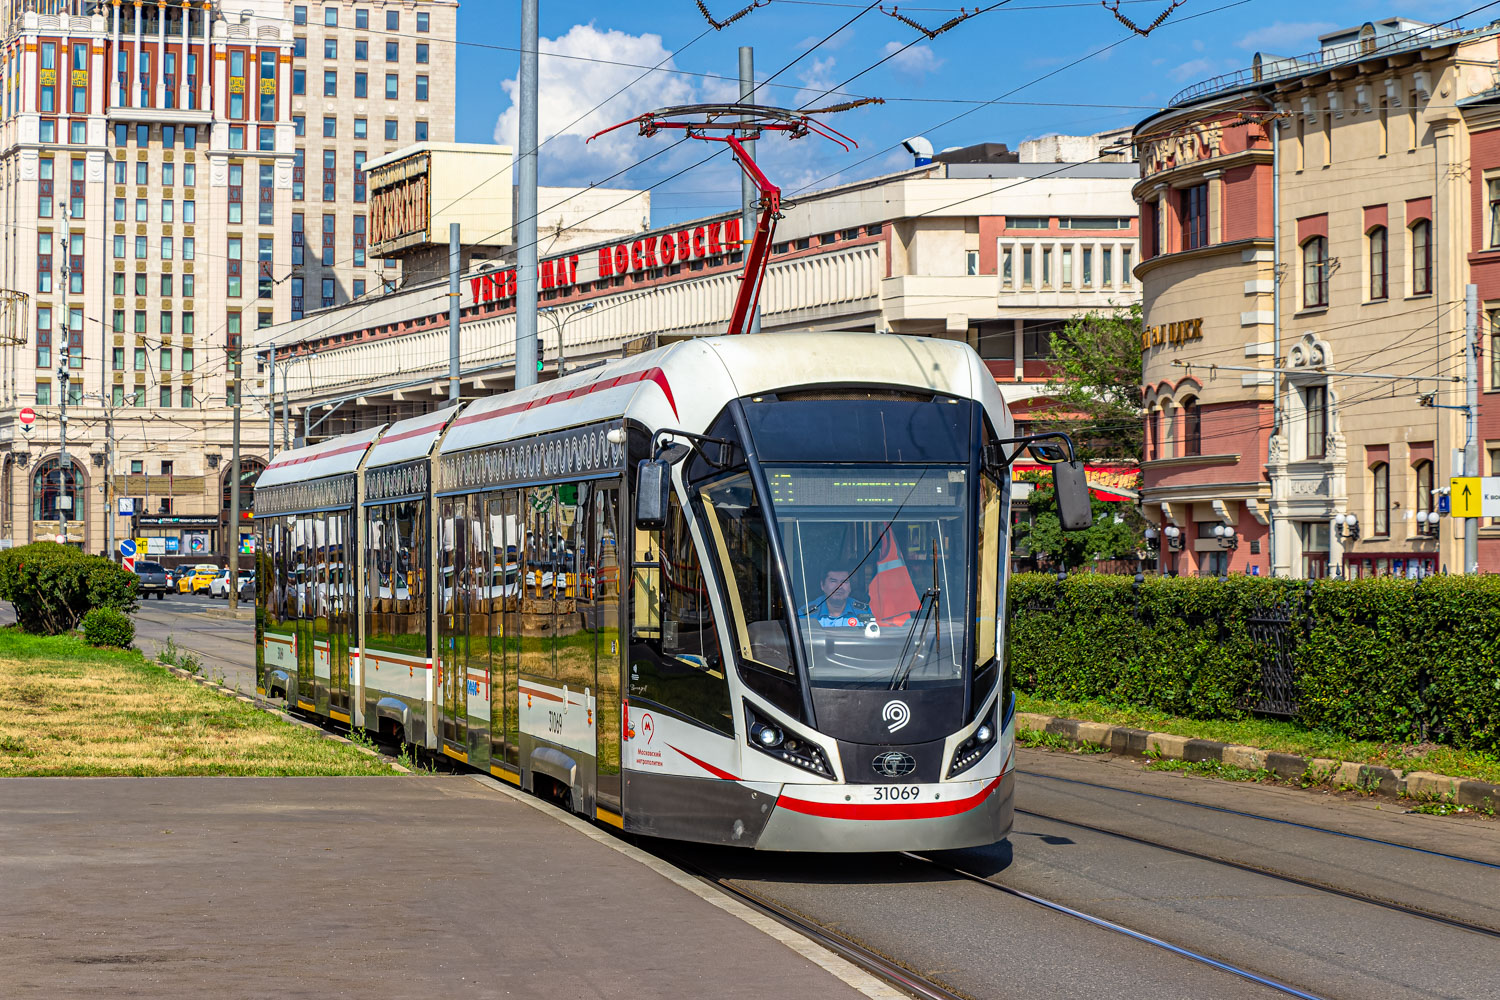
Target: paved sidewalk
(315, 887)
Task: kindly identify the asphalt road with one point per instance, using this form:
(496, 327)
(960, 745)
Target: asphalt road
(1147, 851)
(195, 623)
(1334, 895)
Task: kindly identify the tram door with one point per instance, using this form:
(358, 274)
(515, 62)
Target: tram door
(340, 612)
(453, 626)
(304, 696)
(604, 579)
(504, 602)
(480, 607)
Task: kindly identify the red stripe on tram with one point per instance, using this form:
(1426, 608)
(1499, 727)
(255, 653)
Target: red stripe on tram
(883, 810)
(716, 772)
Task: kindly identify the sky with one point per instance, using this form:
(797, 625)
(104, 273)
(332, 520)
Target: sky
(1044, 66)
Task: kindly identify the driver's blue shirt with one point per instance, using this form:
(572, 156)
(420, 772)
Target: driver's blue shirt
(854, 616)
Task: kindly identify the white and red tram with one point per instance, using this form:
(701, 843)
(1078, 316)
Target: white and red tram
(744, 590)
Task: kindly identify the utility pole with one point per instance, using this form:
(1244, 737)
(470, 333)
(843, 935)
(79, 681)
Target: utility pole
(526, 203)
(747, 186)
(109, 469)
(64, 497)
(233, 584)
(1471, 413)
(453, 298)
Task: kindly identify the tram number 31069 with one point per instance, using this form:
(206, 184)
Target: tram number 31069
(554, 722)
(897, 793)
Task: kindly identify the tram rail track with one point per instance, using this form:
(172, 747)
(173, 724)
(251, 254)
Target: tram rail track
(881, 966)
(1245, 814)
(1110, 925)
(1306, 883)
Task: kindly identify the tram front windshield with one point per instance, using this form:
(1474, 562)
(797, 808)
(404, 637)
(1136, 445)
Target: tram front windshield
(877, 557)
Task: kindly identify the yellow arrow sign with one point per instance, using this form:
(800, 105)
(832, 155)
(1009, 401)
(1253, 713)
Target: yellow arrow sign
(1466, 496)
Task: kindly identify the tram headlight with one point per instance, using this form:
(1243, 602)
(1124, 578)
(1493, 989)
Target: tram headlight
(767, 736)
(770, 739)
(973, 749)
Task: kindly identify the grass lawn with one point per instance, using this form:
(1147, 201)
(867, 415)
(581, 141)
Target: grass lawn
(69, 709)
(1285, 737)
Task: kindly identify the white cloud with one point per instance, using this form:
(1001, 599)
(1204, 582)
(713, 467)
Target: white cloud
(1285, 37)
(917, 61)
(570, 88)
(1193, 69)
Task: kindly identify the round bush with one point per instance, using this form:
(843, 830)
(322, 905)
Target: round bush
(108, 627)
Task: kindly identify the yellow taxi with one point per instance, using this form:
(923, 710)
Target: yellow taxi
(191, 580)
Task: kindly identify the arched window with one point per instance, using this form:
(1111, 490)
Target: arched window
(1380, 493)
(1192, 427)
(1315, 272)
(250, 470)
(1378, 262)
(1423, 474)
(1421, 257)
(51, 481)
(1153, 433)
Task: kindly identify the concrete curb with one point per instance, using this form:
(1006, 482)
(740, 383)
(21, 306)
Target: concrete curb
(1419, 785)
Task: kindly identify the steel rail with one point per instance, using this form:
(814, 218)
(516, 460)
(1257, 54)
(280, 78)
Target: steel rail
(1389, 904)
(1265, 819)
(873, 962)
(1121, 929)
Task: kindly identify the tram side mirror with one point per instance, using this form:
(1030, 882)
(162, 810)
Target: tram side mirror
(1073, 507)
(653, 486)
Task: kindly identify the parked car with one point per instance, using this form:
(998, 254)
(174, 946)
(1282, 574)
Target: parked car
(219, 585)
(152, 578)
(191, 580)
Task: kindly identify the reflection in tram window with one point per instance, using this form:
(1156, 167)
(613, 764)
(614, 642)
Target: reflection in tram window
(680, 665)
(537, 541)
(604, 576)
(506, 585)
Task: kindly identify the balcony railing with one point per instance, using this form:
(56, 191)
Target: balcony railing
(1269, 69)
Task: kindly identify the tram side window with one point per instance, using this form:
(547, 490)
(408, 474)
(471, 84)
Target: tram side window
(573, 648)
(987, 600)
(675, 658)
(536, 546)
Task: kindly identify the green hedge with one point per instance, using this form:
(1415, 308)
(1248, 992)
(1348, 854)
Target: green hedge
(108, 627)
(53, 586)
(1373, 659)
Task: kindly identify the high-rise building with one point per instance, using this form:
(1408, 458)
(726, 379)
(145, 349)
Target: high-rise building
(153, 211)
(368, 78)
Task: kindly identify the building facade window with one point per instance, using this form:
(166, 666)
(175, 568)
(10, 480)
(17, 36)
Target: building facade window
(1421, 257)
(1195, 217)
(1492, 190)
(1380, 497)
(1192, 427)
(1315, 272)
(1315, 402)
(1379, 263)
(1422, 474)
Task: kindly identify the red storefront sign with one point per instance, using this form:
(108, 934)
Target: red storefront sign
(647, 253)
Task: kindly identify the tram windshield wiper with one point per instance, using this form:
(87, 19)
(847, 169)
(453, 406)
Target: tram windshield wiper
(926, 615)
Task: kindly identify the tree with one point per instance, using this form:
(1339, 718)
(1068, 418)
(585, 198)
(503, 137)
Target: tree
(1117, 531)
(1096, 393)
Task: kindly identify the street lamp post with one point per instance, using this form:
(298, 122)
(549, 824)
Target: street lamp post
(62, 459)
(557, 327)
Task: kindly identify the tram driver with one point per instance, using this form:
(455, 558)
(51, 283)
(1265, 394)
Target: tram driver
(837, 608)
